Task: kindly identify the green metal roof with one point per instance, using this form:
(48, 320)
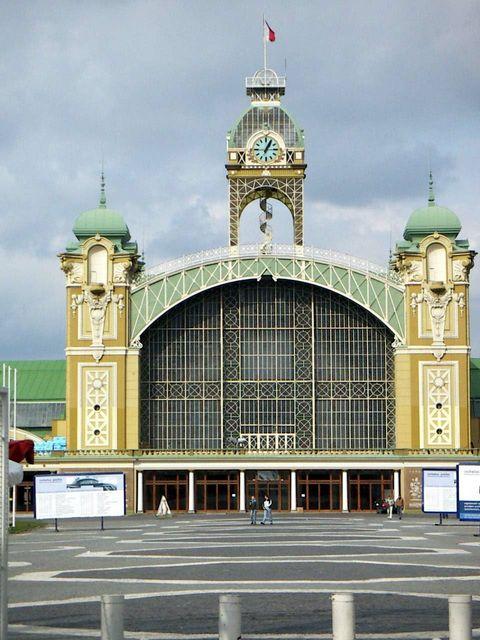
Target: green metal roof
(38, 380)
(422, 222)
(426, 220)
(106, 222)
(475, 378)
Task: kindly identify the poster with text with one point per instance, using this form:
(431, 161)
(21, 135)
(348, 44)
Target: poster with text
(439, 490)
(468, 491)
(79, 495)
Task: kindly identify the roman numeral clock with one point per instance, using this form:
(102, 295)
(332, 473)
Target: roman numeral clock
(265, 154)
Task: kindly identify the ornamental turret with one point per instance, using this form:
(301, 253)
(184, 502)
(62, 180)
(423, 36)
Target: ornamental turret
(432, 366)
(265, 154)
(99, 268)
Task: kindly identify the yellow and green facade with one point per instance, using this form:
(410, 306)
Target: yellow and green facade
(319, 377)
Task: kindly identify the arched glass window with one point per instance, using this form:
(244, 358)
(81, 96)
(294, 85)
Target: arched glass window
(437, 263)
(97, 265)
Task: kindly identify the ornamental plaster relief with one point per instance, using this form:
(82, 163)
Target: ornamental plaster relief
(121, 272)
(97, 383)
(461, 270)
(438, 306)
(439, 390)
(73, 271)
(97, 308)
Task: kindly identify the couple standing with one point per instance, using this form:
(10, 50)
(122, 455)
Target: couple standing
(267, 510)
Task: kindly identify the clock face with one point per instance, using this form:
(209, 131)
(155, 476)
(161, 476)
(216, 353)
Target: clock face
(265, 149)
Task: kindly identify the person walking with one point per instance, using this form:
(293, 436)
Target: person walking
(390, 503)
(267, 511)
(252, 505)
(399, 504)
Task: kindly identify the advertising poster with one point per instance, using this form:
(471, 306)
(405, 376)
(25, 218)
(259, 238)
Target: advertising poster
(439, 490)
(79, 495)
(468, 491)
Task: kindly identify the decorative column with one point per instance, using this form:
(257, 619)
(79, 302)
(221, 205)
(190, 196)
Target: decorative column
(242, 502)
(293, 490)
(345, 491)
(396, 484)
(191, 492)
(140, 492)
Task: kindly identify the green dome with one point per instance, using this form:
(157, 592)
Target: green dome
(426, 220)
(105, 222)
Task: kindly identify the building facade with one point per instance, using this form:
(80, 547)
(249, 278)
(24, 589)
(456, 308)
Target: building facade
(319, 378)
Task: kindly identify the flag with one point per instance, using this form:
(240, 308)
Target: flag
(269, 33)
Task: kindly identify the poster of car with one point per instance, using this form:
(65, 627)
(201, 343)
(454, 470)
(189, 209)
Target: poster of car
(79, 495)
(439, 490)
(468, 491)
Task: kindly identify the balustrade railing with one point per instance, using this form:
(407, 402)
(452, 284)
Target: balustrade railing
(277, 250)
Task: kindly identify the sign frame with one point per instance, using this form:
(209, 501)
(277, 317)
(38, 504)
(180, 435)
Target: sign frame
(450, 469)
(459, 511)
(87, 474)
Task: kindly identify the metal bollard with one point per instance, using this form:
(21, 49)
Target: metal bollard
(112, 617)
(229, 617)
(460, 617)
(343, 616)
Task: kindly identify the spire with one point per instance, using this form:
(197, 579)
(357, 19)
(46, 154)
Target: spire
(103, 198)
(431, 195)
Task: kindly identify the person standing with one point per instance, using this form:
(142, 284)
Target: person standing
(252, 505)
(399, 504)
(390, 503)
(267, 511)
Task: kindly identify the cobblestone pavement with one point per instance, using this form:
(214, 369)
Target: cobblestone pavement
(172, 572)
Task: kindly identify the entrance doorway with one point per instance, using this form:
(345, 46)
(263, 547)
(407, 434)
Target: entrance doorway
(171, 484)
(368, 487)
(216, 490)
(319, 490)
(275, 484)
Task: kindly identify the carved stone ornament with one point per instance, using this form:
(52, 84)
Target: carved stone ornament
(408, 271)
(412, 272)
(97, 308)
(461, 269)
(73, 271)
(437, 307)
(121, 272)
(136, 344)
(398, 343)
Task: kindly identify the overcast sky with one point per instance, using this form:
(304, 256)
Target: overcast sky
(381, 89)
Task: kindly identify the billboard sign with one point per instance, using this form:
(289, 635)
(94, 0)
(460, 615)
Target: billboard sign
(439, 490)
(79, 495)
(468, 491)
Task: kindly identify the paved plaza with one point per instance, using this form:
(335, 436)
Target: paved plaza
(172, 572)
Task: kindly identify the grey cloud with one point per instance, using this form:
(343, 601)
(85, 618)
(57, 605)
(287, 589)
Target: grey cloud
(155, 86)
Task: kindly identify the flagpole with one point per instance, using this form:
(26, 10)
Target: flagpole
(264, 45)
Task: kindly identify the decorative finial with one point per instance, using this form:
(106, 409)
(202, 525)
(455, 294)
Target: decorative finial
(103, 198)
(431, 195)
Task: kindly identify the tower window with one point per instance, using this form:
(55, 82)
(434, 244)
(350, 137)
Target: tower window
(437, 263)
(97, 265)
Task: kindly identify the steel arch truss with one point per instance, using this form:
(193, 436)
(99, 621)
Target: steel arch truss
(380, 295)
(288, 190)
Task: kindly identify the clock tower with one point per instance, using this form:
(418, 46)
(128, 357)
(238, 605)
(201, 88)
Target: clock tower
(265, 155)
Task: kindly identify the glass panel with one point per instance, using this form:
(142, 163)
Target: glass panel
(223, 497)
(200, 504)
(365, 500)
(211, 491)
(353, 494)
(148, 494)
(313, 502)
(336, 497)
(271, 378)
(325, 496)
(182, 498)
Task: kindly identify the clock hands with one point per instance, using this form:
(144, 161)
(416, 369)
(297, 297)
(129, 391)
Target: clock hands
(268, 145)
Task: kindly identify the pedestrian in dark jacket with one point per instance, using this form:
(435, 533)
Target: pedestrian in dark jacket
(252, 505)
